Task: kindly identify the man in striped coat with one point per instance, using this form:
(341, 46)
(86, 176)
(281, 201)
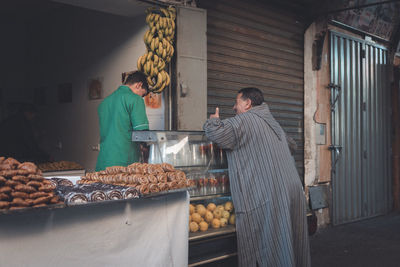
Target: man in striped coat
(267, 193)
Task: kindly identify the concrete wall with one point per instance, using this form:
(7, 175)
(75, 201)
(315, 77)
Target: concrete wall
(317, 157)
(69, 45)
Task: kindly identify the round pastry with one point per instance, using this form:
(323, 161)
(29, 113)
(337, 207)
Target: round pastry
(152, 179)
(171, 176)
(5, 190)
(228, 206)
(115, 194)
(18, 194)
(191, 209)
(217, 213)
(211, 206)
(42, 200)
(172, 185)
(224, 222)
(225, 214)
(131, 193)
(167, 167)
(12, 183)
(220, 207)
(163, 186)
(12, 162)
(35, 184)
(39, 194)
(196, 217)
(35, 177)
(143, 189)
(232, 219)
(208, 216)
(46, 188)
(20, 178)
(4, 204)
(203, 226)
(154, 188)
(181, 184)
(200, 209)
(216, 223)
(180, 175)
(143, 180)
(162, 178)
(28, 166)
(19, 202)
(4, 196)
(194, 227)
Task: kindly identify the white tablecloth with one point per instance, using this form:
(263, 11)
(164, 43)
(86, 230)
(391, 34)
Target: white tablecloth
(139, 232)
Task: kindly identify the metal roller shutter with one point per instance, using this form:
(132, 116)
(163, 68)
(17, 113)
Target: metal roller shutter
(250, 43)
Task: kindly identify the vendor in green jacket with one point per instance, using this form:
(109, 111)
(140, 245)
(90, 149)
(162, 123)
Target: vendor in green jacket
(119, 114)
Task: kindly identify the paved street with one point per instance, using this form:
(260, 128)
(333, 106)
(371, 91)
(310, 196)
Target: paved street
(367, 243)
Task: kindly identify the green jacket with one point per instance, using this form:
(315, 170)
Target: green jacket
(119, 114)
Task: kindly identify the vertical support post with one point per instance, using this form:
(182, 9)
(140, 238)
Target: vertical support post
(396, 139)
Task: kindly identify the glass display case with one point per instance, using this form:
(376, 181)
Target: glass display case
(206, 165)
(203, 162)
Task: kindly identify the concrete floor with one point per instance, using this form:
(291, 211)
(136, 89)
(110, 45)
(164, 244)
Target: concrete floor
(372, 242)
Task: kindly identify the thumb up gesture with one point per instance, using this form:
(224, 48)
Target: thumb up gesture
(216, 114)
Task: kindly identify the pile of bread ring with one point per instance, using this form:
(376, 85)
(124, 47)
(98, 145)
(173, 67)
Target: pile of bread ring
(147, 178)
(22, 185)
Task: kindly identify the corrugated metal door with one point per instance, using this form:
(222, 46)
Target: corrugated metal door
(360, 101)
(250, 43)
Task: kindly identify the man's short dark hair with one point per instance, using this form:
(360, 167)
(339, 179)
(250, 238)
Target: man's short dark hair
(129, 78)
(252, 93)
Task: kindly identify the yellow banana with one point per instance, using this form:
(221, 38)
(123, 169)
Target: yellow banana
(152, 44)
(150, 81)
(165, 12)
(157, 41)
(153, 30)
(146, 35)
(161, 88)
(165, 22)
(168, 80)
(145, 68)
(160, 35)
(159, 80)
(164, 53)
(155, 59)
(173, 24)
(156, 17)
(158, 26)
(160, 61)
(172, 51)
(151, 70)
(160, 47)
(149, 55)
(143, 60)
(155, 70)
(148, 41)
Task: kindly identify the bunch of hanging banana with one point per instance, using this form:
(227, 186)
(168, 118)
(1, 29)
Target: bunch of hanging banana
(160, 49)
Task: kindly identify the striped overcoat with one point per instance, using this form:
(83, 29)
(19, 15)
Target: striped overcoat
(266, 190)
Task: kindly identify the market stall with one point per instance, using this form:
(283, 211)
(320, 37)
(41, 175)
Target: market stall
(132, 232)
